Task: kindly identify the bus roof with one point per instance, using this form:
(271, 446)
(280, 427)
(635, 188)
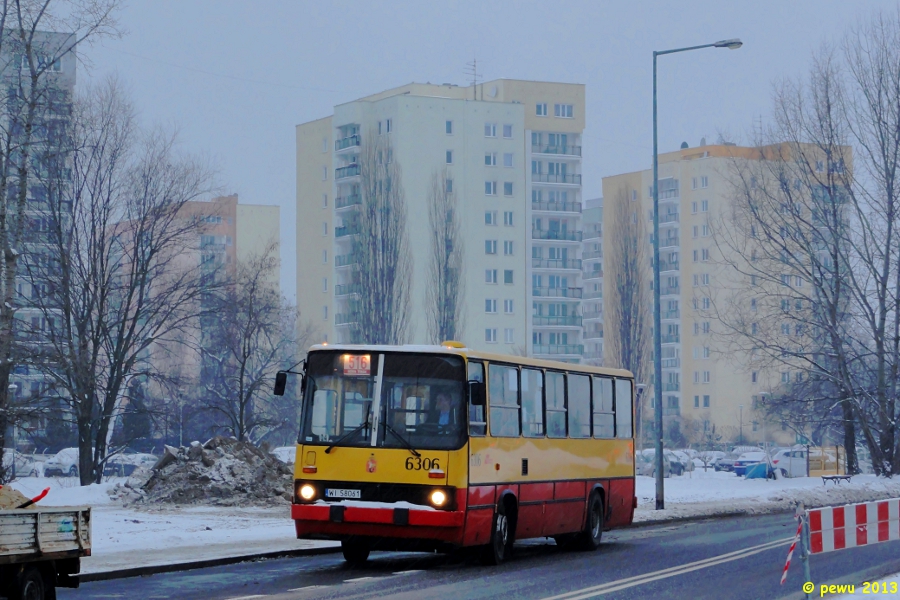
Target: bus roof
(476, 354)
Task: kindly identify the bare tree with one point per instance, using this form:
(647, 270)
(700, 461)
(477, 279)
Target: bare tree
(250, 340)
(629, 326)
(381, 246)
(118, 285)
(446, 284)
(34, 97)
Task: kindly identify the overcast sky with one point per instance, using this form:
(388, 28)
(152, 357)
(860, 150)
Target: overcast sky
(236, 76)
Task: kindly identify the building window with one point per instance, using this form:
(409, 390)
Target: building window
(704, 182)
(541, 109)
(490, 276)
(705, 401)
(786, 377)
(324, 173)
(633, 195)
(507, 188)
(490, 305)
(508, 307)
(507, 218)
(324, 228)
(490, 217)
(507, 276)
(704, 206)
(563, 110)
(695, 231)
(694, 207)
(705, 326)
(696, 401)
(324, 144)
(694, 185)
(324, 200)
(705, 376)
(449, 157)
(324, 257)
(705, 303)
(507, 131)
(490, 246)
(508, 336)
(507, 248)
(704, 254)
(324, 313)
(449, 186)
(490, 335)
(490, 130)
(507, 159)
(490, 159)
(696, 379)
(705, 231)
(754, 377)
(324, 285)
(388, 125)
(379, 127)
(448, 127)
(490, 188)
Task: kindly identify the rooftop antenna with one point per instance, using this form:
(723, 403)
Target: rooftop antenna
(472, 72)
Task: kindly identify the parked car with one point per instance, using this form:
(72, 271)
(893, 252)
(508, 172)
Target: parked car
(23, 463)
(645, 464)
(684, 459)
(748, 458)
(64, 464)
(708, 458)
(726, 463)
(791, 462)
(285, 454)
(124, 463)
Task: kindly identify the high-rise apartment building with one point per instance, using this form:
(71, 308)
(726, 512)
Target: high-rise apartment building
(511, 152)
(592, 269)
(704, 383)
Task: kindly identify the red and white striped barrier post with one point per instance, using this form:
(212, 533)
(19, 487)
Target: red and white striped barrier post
(787, 563)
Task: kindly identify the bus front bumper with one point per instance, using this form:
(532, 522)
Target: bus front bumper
(337, 520)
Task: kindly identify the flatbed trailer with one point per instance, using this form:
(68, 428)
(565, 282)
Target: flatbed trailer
(41, 549)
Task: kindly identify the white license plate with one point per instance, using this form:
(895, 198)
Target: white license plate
(329, 493)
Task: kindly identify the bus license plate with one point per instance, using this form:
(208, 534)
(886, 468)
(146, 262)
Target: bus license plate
(353, 494)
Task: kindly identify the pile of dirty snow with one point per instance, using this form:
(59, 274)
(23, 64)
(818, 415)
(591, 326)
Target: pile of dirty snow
(223, 472)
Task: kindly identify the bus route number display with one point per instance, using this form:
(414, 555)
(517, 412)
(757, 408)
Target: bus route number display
(357, 364)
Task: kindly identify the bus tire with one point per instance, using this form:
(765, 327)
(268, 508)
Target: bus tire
(589, 539)
(500, 546)
(355, 552)
(29, 584)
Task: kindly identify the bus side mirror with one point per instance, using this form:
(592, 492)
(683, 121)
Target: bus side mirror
(476, 393)
(280, 383)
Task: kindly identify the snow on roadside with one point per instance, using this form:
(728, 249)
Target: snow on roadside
(709, 493)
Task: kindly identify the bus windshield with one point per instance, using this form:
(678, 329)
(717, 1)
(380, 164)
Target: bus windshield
(422, 400)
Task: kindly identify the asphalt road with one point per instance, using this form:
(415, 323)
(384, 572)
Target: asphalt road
(732, 558)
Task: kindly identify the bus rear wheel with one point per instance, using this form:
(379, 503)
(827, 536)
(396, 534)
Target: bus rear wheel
(589, 539)
(500, 546)
(355, 552)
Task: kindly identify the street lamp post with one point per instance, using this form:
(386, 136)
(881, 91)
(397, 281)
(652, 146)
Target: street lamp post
(13, 388)
(732, 44)
(741, 424)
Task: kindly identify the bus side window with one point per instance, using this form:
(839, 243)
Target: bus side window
(556, 404)
(624, 401)
(603, 407)
(579, 406)
(503, 387)
(532, 403)
(477, 421)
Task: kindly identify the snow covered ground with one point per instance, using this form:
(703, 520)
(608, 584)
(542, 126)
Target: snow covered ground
(131, 537)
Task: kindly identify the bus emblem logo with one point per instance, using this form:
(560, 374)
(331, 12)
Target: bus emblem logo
(372, 464)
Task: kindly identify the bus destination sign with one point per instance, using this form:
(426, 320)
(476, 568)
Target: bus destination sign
(357, 364)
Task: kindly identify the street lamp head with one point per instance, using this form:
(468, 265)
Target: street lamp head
(732, 44)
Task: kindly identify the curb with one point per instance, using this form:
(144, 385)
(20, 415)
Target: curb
(722, 515)
(202, 564)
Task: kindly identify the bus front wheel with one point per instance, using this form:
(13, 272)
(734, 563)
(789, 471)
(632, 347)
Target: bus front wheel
(355, 552)
(589, 539)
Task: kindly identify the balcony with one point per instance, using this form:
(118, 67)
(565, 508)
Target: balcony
(671, 363)
(668, 218)
(669, 290)
(593, 335)
(566, 178)
(346, 289)
(592, 233)
(340, 232)
(590, 315)
(553, 234)
(593, 294)
(345, 260)
(591, 355)
(572, 207)
(595, 274)
(671, 314)
(668, 242)
(556, 149)
(556, 263)
(345, 319)
(671, 411)
(558, 321)
(670, 386)
(558, 349)
(348, 171)
(671, 338)
(591, 254)
(556, 292)
(668, 265)
(345, 201)
(347, 142)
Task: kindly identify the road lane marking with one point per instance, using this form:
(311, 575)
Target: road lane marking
(410, 572)
(308, 588)
(360, 579)
(247, 597)
(621, 584)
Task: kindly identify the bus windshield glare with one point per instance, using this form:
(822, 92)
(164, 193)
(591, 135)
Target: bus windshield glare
(422, 401)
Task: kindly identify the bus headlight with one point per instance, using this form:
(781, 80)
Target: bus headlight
(438, 497)
(307, 492)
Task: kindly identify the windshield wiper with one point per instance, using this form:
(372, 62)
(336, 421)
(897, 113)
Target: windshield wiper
(403, 441)
(346, 435)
